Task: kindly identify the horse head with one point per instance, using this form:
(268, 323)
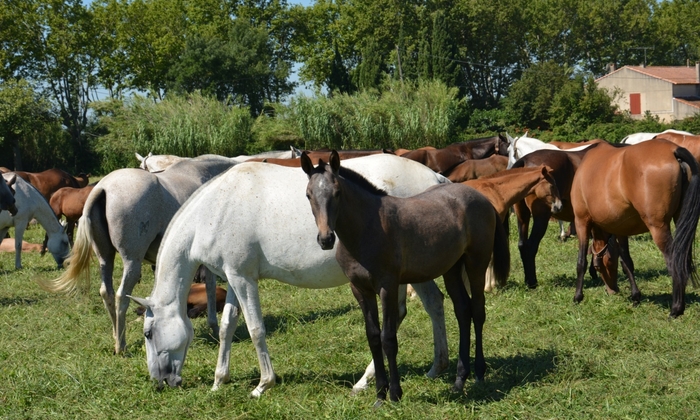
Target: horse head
(59, 247)
(547, 190)
(323, 193)
(168, 333)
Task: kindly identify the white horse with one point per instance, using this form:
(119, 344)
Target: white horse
(127, 212)
(158, 163)
(32, 205)
(262, 227)
(521, 146)
(640, 137)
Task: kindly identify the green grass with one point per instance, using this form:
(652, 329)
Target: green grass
(546, 356)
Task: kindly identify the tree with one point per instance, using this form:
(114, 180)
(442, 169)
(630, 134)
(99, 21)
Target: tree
(444, 53)
(369, 71)
(239, 66)
(578, 104)
(25, 118)
(529, 99)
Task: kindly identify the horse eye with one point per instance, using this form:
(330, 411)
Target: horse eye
(147, 334)
(308, 197)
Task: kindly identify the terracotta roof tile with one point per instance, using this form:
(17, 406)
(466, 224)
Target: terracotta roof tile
(693, 101)
(677, 75)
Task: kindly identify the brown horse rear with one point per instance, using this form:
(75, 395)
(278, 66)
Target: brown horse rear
(692, 143)
(631, 190)
(49, 181)
(444, 159)
(477, 168)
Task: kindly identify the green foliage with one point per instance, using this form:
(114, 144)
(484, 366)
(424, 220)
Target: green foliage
(187, 126)
(30, 130)
(529, 99)
(369, 71)
(578, 104)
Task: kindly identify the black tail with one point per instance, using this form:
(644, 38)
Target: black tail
(682, 264)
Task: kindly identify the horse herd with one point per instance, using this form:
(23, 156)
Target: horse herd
(411, 218)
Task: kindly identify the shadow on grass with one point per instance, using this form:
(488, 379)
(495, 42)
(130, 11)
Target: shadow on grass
(664, 300)
(640, 276)
(503, 375)
(275, 323)
(13, 301)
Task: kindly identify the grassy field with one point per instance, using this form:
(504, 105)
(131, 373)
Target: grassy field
(546, 356)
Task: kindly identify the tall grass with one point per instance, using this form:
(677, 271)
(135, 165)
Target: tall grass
(407, 115)
(189, 126)
(547, 357)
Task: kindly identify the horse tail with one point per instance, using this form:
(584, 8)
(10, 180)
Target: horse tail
(682, 264)
(76, 278)
(501, 253)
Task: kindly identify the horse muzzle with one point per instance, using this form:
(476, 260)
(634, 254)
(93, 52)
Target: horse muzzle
(327, 241)
(557, 206)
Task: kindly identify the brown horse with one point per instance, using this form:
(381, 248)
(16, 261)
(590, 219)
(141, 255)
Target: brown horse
(68, 202)
(508, 187)
(630, 190)
(386, 241)
(197, 301)
(564, 165)
(692, 143)
(477, 168)
(49, 181)
(444, 159)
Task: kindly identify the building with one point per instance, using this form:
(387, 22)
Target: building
(671, 93)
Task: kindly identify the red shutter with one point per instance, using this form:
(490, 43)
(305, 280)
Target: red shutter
(635, 103)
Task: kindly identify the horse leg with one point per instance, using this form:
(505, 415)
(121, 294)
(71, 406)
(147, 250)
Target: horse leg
(583, 232)
(363, 383)
(461, 303)
(523, 214)
(528, 253)
(130, 276)
(478, 313)
(210, 282)
(606, 259)
(20, 226)
(433, 302)
(389, 296)
(246, 290)
(628, 268)
(368, 303)
(229, 322)
(70, 227)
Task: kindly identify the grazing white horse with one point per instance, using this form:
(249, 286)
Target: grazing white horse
(127, 212)
(32, 205)
(262, 227)
(640, 137)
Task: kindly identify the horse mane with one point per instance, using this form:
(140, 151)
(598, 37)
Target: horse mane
(358, 180)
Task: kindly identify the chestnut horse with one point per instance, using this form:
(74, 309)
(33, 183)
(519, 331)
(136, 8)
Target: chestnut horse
(508, 187)
(477, 168)
(564, 165)
(387, 241)
(49, 181)
(444, 159)
(68, 202)
(630, 190)
(690, 142)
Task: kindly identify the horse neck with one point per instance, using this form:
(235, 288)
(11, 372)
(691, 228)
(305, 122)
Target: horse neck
(509, 186)
(42, 211)
(359, 210)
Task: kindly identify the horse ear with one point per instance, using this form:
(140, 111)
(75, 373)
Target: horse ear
(295, 152)
(510, 139)
(141, 301)
(306, 165)
(334, 161)
(11, 181)
(139, 157)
